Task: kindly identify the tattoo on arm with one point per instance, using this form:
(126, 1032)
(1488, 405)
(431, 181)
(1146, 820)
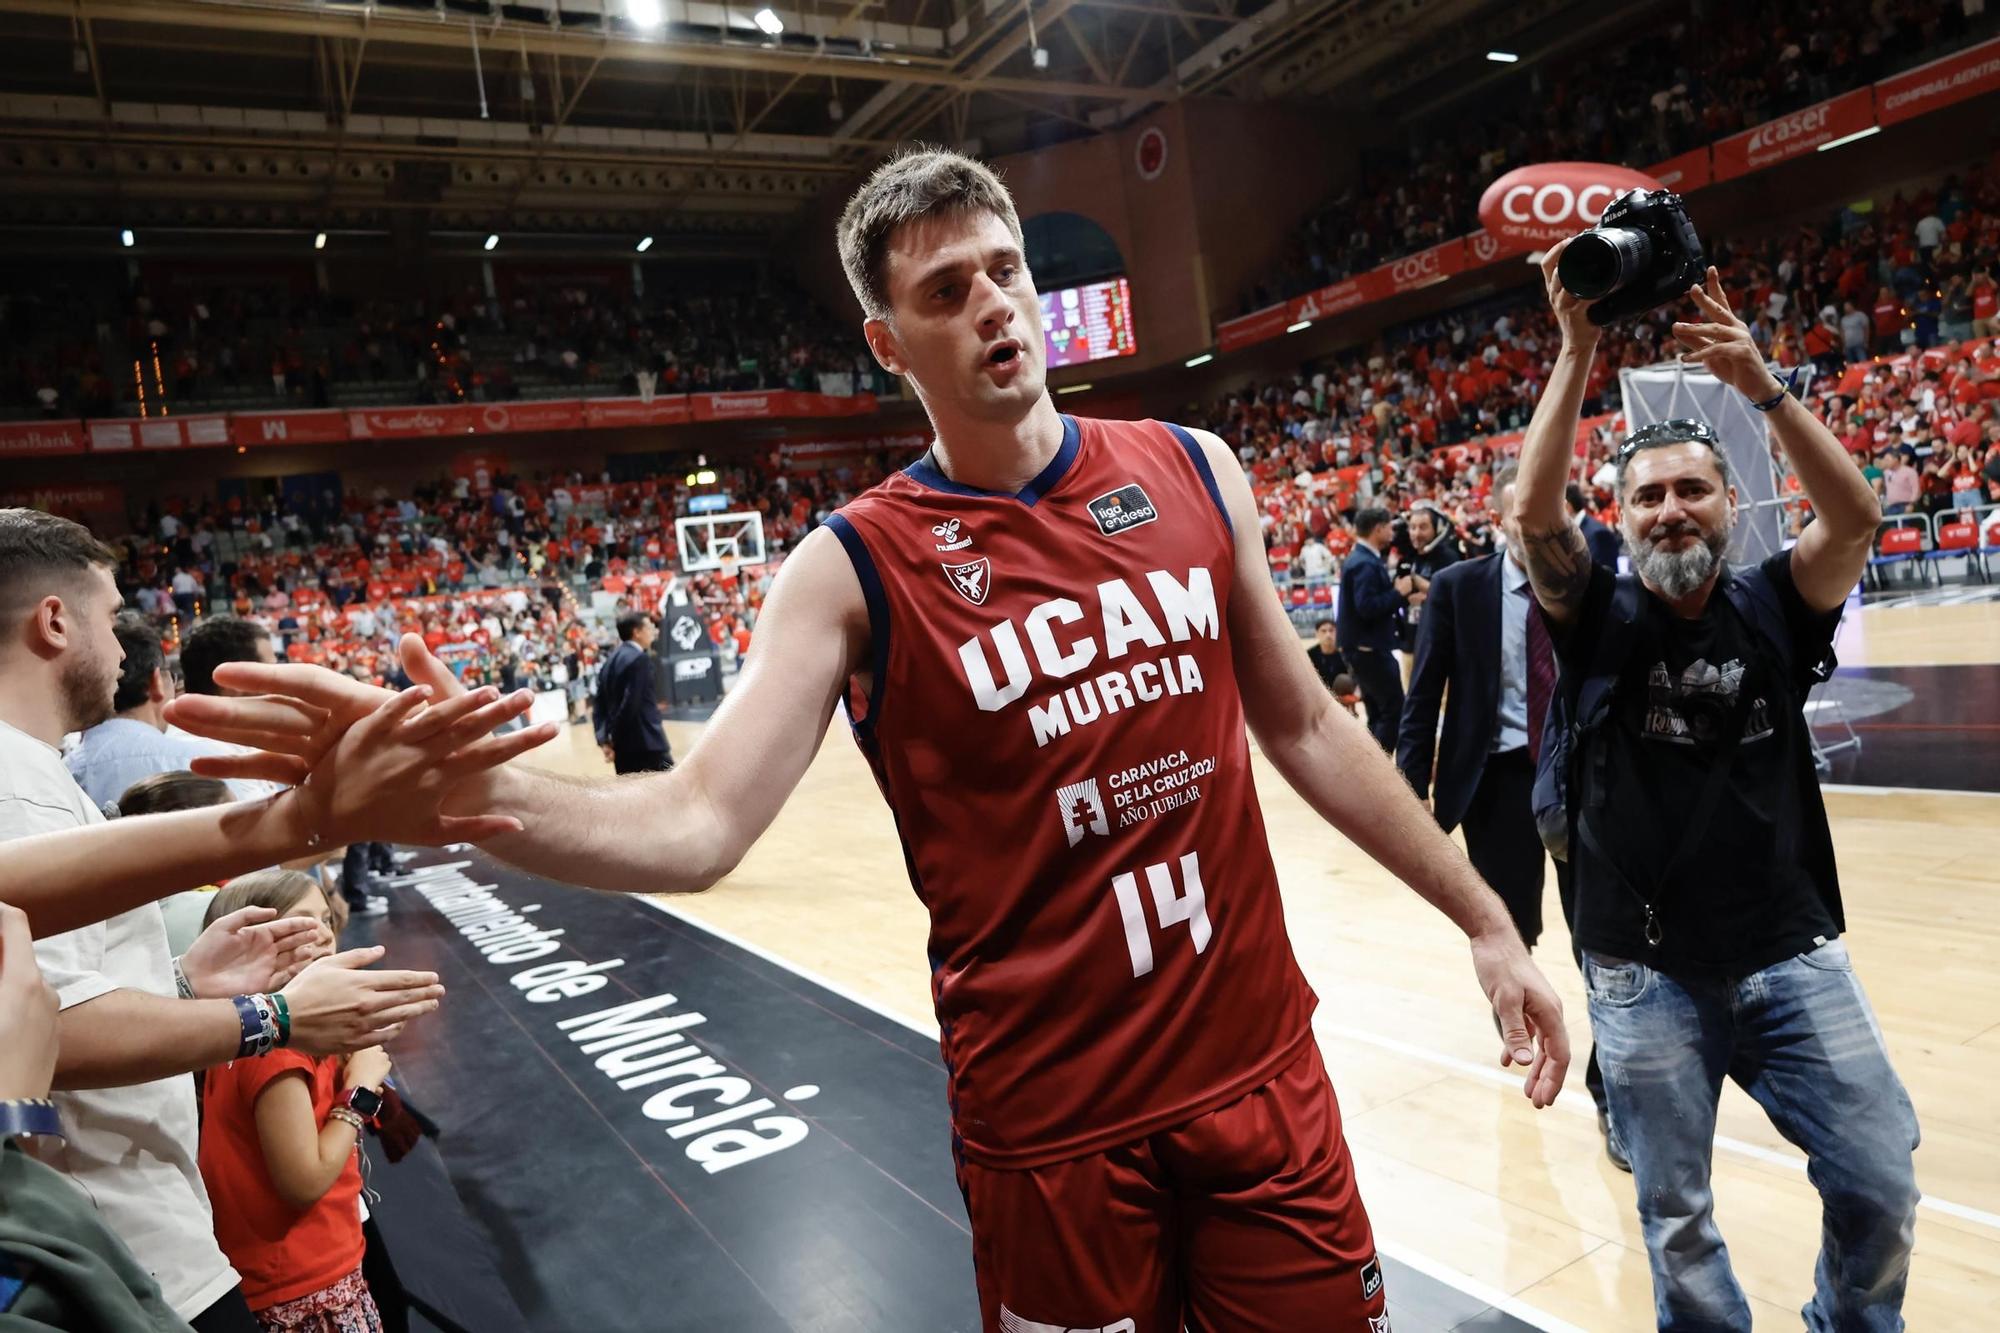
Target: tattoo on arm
(1558, 564)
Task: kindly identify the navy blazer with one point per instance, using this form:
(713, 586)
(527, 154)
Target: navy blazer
(628, 710)
(1369, 603)
(1604, 543)
(1458, 647)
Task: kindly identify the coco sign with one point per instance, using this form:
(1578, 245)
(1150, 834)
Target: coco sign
(1542, 204)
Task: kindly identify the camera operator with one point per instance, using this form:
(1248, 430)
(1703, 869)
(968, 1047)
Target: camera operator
(1707, 901)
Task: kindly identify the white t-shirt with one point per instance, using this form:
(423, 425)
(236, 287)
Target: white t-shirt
(130, 1150)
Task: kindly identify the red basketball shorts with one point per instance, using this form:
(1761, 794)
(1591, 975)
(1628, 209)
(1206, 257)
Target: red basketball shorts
(1243, 1220)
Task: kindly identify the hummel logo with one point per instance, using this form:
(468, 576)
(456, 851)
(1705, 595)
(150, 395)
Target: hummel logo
(947, 532)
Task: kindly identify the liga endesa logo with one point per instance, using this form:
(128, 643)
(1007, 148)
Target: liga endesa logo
(1546, 202)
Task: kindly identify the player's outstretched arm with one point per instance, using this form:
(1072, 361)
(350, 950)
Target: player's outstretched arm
(674, 832)
(1329, 758)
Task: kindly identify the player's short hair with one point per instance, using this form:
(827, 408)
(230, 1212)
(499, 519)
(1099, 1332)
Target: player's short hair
(628, 624)
(1370, 519)
(40, 554)
(214, 641)
(1574, 494)
(919, 183)
(1319, 625)
(143, 656)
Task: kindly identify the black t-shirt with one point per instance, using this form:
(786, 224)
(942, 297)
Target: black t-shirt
(1761, 885)
(1327, 664)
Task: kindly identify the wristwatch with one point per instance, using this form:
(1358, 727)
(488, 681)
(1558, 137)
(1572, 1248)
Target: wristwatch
(30, 1117)
(364, 1102)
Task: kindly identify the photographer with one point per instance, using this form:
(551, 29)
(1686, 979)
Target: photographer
(1707, 901)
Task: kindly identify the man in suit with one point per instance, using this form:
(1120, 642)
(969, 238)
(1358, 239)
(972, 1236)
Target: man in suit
(1603, 542)
(1371, 601)
(1482, 641)
(628, 709)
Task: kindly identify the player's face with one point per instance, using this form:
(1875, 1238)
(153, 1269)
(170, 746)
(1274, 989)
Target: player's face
(965, 325)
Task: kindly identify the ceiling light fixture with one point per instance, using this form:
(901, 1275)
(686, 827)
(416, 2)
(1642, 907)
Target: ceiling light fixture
(769, 22)
(1502, 57)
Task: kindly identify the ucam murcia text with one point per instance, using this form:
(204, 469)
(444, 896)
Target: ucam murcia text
(1180, 611)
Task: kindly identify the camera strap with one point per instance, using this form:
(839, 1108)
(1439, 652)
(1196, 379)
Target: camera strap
(1721, 765)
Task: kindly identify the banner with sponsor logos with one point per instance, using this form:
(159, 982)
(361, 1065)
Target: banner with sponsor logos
(1956, 77)
(1422, 268)
(1795, 135)
(336, 425)
(81, 503)
(1255, 327)
(810, 455)
(41, 437)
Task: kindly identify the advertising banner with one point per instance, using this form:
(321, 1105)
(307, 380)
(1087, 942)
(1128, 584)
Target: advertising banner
(1965, 74)
(20, 438)
(1795, 135)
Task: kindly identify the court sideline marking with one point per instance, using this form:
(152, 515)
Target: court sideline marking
(1430, 1268)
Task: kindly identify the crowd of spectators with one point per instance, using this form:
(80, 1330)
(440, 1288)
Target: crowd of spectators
(190, 345)
(1894, 304)
(1678, 79)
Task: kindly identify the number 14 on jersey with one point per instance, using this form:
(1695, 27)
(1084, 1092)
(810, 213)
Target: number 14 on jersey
(1172, 905)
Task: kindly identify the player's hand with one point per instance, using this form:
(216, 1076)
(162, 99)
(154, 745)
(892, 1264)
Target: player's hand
(1572, 313)
(1532, 1033)
(1722, 344)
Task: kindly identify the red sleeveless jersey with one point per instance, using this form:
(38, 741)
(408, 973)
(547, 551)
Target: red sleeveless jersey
(1055, 724)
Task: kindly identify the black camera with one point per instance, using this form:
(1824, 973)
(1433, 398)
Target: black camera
(1642, 253)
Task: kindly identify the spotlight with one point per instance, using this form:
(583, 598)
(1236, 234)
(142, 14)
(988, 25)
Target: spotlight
(1300, 327)
(319, 241)
(1502, 57)
(125, 238)
(1041, 57)
(1201, 360)
(769, 22)
(645, 244)
(644, 13)
(493, 240)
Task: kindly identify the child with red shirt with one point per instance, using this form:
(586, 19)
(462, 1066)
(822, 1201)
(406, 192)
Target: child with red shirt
(278, 1154)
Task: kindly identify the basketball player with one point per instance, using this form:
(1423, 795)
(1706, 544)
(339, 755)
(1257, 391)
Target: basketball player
(1050, 633)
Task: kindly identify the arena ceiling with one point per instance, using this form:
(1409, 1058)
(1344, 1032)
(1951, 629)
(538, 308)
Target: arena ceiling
(570, 117)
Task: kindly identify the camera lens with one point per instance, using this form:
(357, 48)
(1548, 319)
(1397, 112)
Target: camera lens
(1598, 262)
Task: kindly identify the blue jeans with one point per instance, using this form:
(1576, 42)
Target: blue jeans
(1800, 1038)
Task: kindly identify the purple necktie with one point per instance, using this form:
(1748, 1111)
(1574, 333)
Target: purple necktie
(1541, 674)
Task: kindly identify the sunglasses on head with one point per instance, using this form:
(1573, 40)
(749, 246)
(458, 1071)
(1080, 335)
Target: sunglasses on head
(1677, 430)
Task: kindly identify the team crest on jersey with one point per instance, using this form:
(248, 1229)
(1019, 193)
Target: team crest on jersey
(973, 581)
(1126, 507)
(1378, 1323)
(948, 538)
(1013, 1323)
(1082, 811)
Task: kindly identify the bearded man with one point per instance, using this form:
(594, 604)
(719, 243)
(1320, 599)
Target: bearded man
(1707, 903)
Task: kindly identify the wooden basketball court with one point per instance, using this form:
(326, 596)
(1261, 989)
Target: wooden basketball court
(1463, 1179)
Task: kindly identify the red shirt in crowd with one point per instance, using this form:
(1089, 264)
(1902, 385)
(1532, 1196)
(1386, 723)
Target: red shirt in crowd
(280, 1253)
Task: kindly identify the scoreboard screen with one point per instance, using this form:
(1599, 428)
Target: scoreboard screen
(1088, 323)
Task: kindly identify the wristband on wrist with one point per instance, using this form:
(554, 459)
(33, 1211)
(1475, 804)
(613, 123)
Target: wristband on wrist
(284, 1009)
(181, 982)
(30, 1117)
(259, 1018)
(1777, 399)
(345, 1116)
